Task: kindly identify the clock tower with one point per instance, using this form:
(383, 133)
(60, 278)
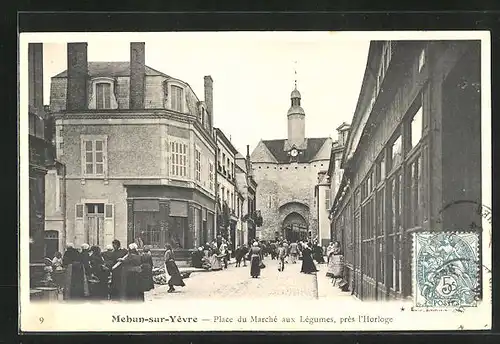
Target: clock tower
(296, 124)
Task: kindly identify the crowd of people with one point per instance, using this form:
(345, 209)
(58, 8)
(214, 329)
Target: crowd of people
(126, 274)
(115, 274)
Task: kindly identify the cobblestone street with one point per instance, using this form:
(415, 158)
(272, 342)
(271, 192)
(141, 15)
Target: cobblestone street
(235, 282)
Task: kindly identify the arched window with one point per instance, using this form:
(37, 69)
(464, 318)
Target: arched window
(102, 95)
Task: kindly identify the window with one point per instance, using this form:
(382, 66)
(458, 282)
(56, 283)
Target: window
(396, 149)
(327, 199)
(416, 127)
(421, 60)
(379, 171)
(103, 95)
(269, 201)
(177, 98)
(179, 161)
(197, 163)
(415, 212)
(94, 154)
(211, 175)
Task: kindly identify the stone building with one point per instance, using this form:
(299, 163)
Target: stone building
(139, 151)
(228, 200)
(247, 189)
(335, 171)
(39, 152)
(286, 171)
(414, 147)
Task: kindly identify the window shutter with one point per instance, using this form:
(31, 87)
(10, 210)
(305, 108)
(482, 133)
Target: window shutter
(105, 157)
(79, 224)
(109, 224)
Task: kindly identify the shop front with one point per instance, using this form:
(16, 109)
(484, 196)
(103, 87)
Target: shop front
(165, 215)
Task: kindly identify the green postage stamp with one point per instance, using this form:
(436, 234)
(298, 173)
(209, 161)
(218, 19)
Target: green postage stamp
(446, 269)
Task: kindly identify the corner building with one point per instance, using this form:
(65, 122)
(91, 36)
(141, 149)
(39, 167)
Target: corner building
(139, 150)
(414, 147)
(286, 172)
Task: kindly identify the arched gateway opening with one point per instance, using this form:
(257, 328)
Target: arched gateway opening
(294, 227)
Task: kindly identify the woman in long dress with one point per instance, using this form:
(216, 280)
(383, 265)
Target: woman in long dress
(100, 275)
(132, 288)
(215, 260)
(335, 263)
(147, 270)
(307, 261)
(75, 280)
(255, 254)
(172, 270)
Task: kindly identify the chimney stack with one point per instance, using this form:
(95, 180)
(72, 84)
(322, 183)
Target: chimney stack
(137, 75)
(209, 98)
(76, 93)
(35, 68)
(248, 163)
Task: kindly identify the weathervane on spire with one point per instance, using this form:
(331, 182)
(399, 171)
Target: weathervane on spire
(295, 71)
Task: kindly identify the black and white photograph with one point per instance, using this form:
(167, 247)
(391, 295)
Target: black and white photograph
(255, 181)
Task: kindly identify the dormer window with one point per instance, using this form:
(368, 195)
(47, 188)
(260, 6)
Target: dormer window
(177, 98)
(102, 95)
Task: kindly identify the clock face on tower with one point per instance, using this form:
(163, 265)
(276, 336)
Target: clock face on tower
(294, 152)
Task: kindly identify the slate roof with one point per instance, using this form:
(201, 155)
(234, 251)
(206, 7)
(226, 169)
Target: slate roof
(276, 149)
(112, 69)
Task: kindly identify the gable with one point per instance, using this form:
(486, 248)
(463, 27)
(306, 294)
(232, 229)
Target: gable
(325, 151)
(262, 154)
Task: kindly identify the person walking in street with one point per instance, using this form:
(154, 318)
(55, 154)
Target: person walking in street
(307, 260)
(172, 270)
(318, 253)
(281, 257)
(255, 255)
(294, 252)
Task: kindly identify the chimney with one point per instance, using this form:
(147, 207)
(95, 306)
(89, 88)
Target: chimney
(249, 166)
(209, 98)
(35, 70)
(137, 75)
(76, 93)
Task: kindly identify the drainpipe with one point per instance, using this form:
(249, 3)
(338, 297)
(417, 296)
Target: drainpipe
(216, 172)
(63, 205)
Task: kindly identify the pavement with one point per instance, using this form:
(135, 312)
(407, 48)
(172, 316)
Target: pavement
(326, 290)
(236, 282)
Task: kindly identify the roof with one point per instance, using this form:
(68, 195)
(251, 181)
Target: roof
(276, 147)
(112, 69)
(296, 110)
(295, 94)
(225, 140)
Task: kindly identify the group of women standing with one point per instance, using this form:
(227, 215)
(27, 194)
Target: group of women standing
(116, 274)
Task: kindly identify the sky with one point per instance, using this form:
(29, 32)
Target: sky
(253, 73)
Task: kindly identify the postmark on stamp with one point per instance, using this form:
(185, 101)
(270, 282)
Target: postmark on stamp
(446, 269)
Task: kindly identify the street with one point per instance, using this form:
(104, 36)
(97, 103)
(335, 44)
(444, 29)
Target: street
(235, 282)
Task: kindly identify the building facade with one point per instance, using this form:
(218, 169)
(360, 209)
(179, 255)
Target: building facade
(228, 199)
(139, 151)
(286, 171)
(414, 147)
(247, 189)
(335, 173)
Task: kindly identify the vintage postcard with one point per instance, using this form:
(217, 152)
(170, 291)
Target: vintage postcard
(255, 181)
